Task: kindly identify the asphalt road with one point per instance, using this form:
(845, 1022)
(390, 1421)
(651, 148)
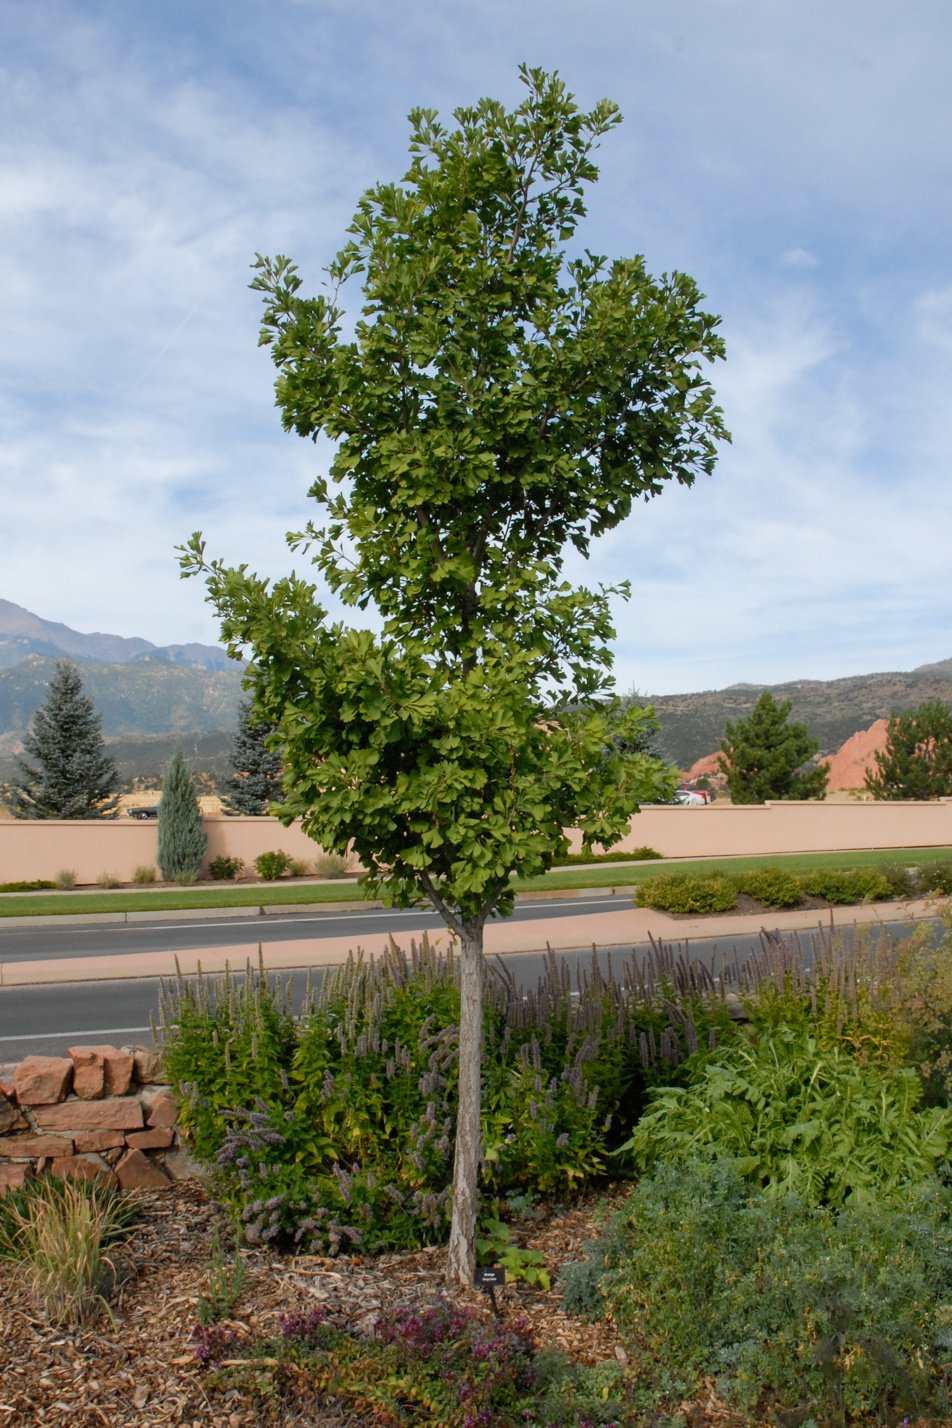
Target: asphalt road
(29, 942)
(46, 1019)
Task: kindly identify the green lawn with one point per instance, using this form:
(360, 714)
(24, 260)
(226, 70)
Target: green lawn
(594, 875)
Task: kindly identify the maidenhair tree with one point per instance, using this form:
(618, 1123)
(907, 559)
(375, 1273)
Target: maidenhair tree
(498, 401)
(256, 781)
(917, 759)
(767, 756)
(67, 772)
(182, 841)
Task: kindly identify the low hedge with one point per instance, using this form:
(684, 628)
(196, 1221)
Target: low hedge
(697, 892)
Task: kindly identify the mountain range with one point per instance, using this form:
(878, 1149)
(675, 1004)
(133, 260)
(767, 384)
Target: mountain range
(692, 725)
(153, 697)
(22, 634)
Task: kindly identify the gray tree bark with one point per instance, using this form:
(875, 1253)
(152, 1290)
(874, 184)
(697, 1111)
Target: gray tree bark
(462, 1254)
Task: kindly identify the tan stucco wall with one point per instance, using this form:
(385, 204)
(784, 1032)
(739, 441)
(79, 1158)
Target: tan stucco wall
(30, 850)
(719, 830)
(91, 849)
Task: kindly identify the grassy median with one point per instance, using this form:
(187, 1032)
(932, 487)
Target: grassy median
(300, 893)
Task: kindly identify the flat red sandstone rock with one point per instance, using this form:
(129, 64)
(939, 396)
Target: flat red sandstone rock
(136, 1171)
(13, 1176)
(42, 1080)
(77, 1167)
(147, 1061)
(161, 1111)
(100, 1071)
(34, 1146)
(98, 1140)
(122, 1113)
(159, 1139)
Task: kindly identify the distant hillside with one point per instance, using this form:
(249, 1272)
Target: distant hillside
(692, 725)
(22, 634)
(151, 698)
(143, 697)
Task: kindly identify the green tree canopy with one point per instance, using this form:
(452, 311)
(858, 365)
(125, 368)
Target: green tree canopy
(764, 756)
(182, 840)
(256, 782)
(917, 759)
(67, 773)
(497, 401)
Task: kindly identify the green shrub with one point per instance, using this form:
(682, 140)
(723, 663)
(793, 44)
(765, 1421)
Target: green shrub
(337, 1131)
(144, 874)
(797, 1313)
(225, 869)
(643, 854)
(901, 880)
(774, 887)
(687, 893)
(272, 866)
(37, 885)
(66, 878)
(936, 877)
(846, 886)
(798, 1117)
(226, 1043)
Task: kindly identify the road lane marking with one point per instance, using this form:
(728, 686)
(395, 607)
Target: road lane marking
(71, 1035)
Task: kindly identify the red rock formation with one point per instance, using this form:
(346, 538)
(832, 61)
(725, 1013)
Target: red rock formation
(706, 767)
(849, 765)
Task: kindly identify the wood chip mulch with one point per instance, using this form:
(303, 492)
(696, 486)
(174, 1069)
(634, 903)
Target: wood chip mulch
(141, 1369)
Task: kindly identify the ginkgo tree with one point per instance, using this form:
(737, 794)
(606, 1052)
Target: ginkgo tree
(501, 399)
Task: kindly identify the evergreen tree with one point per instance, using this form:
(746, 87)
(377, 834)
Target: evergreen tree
(764, 756)
(68, 773)
(256, 782)
(182, 838)
(917, 759)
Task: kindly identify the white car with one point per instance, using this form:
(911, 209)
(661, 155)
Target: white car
(690, 798)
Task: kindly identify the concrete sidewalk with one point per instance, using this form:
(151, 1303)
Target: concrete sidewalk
(627, 928)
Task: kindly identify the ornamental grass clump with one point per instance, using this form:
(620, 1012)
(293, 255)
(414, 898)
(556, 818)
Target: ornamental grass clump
(58, 1232)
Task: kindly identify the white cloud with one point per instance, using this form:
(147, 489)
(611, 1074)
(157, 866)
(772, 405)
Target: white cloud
(793, 158)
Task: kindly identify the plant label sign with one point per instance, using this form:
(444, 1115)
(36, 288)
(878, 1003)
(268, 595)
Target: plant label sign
(489, 1276)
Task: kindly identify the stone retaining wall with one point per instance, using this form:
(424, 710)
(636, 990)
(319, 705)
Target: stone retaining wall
(99, 1112)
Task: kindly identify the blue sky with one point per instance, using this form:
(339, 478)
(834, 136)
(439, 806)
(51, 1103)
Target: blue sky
(794, 159)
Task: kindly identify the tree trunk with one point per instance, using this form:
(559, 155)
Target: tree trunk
(462, 1250)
